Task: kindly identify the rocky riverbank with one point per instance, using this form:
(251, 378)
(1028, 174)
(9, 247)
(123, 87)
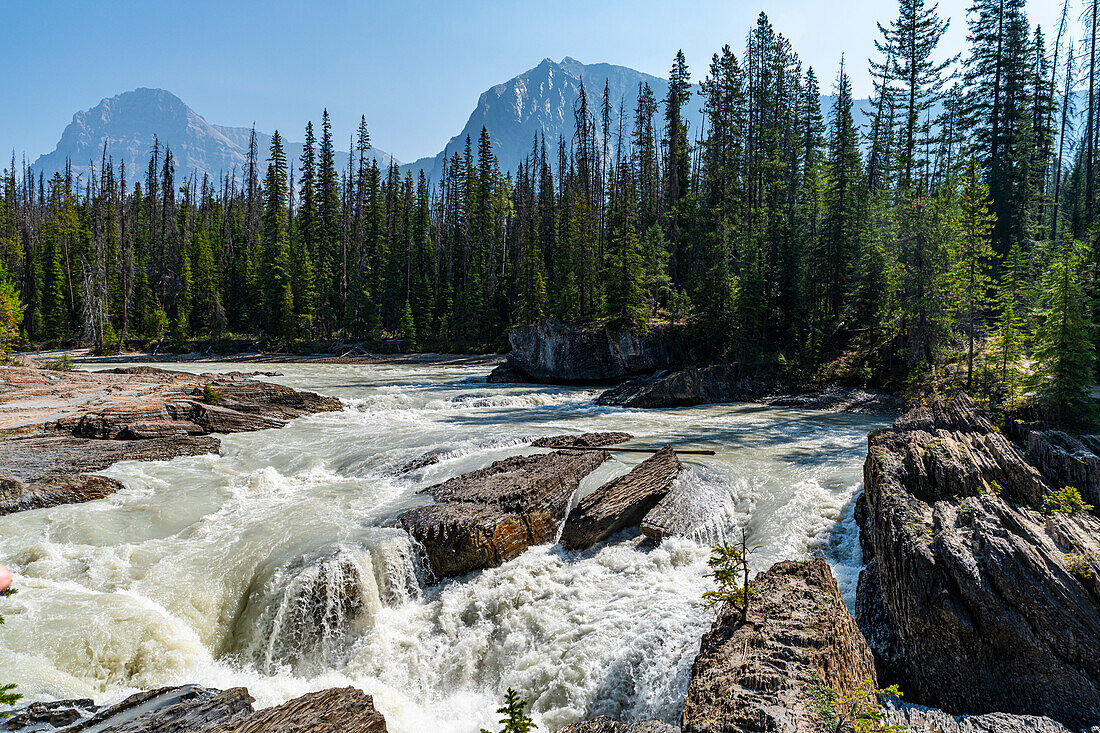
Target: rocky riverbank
(56, 427)
(973, 600)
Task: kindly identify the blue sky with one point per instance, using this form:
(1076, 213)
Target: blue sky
(414, 68)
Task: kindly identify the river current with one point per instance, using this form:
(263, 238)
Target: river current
(277, 564)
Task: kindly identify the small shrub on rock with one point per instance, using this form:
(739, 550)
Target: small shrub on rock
(1066, 500)
(729, 566)
(210, 396)
(1078, 565)
(860, 712)
(64, 364)
(7, 697)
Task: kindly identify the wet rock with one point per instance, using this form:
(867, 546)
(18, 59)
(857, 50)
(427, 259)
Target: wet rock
(424, 460)
(604, 724)
(1067, 460)
(584, 440)
(193, 709)
(559, 352)
(486, 517)
(968, 598)
(622, 502)
(336, 710)
(40, 716)
(917, 719)
(507, 374)
(55, 427)
(730, 383)
(753, 677)
(187, 708)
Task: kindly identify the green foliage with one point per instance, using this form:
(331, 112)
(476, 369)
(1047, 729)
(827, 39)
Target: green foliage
(729, 565)
(514, 719)
(210, 396)
(64, 364)
(1065, 351)
(1078, 565)
(1066, 500)
(7, 697)
(11, 313)
(859, 712)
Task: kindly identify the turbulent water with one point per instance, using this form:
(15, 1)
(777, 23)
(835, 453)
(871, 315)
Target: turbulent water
(277, 564)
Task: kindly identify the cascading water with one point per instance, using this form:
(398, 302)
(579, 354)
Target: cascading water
(276, 565)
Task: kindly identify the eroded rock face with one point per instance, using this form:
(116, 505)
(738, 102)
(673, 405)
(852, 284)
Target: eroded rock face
(753, 677)
(728, 383)
(917, 719)
(57, 426)
(193, 709)
(968, 598)
(484, 518)
(558, 352)
(622, 502)
(1068, 461)
(584, 440)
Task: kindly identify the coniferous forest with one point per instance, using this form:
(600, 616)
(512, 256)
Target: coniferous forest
(954, 237)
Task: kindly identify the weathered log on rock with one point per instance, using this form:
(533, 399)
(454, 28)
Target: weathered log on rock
(1068, 461)
(968, 598)
(604, 724)
(753, 677)
(584, 440)
(57, 426)
(554, 351)
(489, 516)
(337, 710)
(622, 502)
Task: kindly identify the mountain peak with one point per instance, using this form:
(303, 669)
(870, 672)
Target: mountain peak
(128, 123)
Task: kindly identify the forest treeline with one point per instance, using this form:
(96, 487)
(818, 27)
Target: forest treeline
(954, 236)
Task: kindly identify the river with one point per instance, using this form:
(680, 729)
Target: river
(197, 571)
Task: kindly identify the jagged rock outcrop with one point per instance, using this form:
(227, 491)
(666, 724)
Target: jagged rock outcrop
(754, 677)
(584, 440)
(1067, 460)
(970, 599)
(917, 719)
(729, 383)
(56, 426)
(622, 502)
(484, 518)
(604, 724)
(193, 709)
(559, 352)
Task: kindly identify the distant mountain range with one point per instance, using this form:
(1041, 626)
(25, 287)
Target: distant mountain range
(128, 123)
(541, 102)
(537, 102)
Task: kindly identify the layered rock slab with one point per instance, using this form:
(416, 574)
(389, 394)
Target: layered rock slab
(969, 599)
(487, 517)
(194, 709)
(622, 502)
(57, 426)
(753, 677)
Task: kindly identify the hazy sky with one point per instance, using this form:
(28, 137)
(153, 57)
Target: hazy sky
(414, 68)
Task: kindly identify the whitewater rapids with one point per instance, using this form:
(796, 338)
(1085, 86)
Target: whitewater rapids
(277, 564)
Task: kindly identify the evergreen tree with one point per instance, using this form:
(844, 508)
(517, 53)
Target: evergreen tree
(972, 259)
(1064, 350)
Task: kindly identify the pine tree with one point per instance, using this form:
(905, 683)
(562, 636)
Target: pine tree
(1065, 352)
(275, 265)
(972, 259)
(1009, 330)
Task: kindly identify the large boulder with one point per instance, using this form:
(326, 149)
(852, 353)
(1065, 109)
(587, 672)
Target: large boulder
(755, 677)
(484, 518)
(622, 502)
(560, 352)
(973, 601)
